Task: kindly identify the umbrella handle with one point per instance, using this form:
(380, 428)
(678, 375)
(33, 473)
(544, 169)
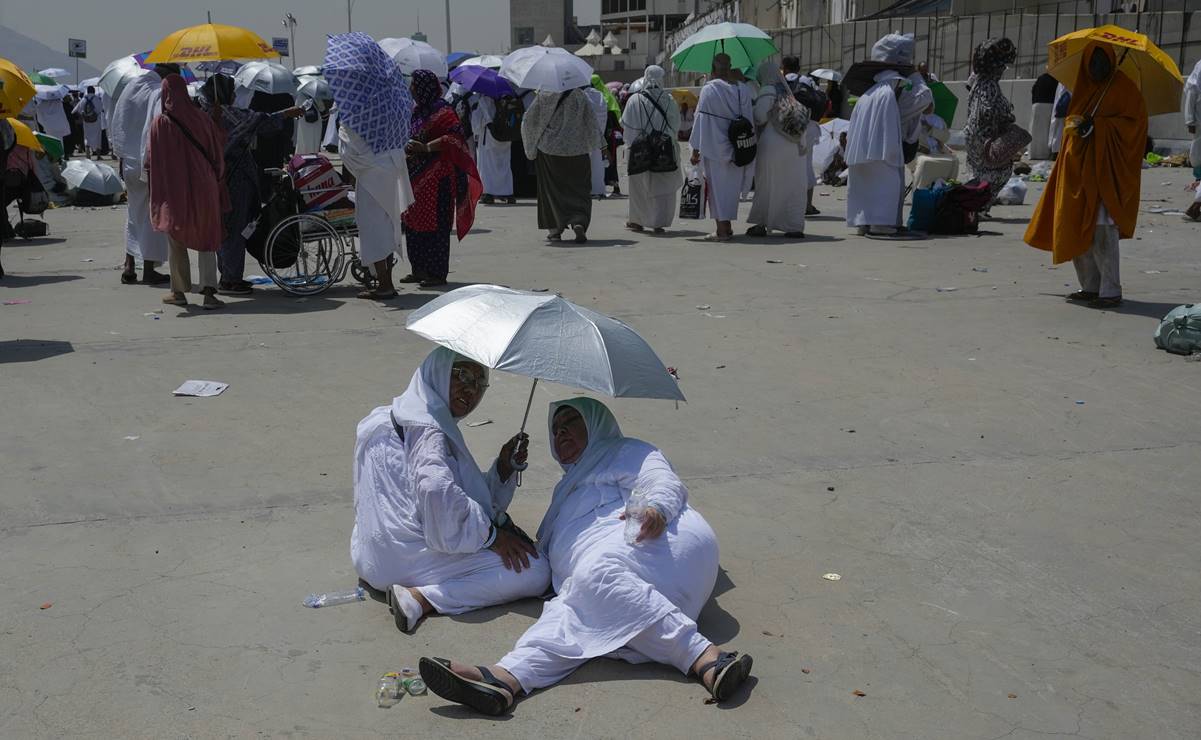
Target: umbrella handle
(519, 467)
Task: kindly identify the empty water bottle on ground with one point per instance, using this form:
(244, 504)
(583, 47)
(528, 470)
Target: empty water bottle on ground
(316, 601)
(389, 690)
(635, 510)
(411, 681)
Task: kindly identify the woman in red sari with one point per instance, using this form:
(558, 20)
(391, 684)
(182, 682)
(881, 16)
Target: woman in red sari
(446, 184)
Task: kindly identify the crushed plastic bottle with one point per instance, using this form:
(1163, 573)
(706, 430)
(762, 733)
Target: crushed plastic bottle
(412, 682)
(389, 690)
(635, 510)
(316, 601)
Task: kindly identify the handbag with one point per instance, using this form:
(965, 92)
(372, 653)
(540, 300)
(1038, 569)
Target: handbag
(653, 150)
(1000, 151)
(692, 195)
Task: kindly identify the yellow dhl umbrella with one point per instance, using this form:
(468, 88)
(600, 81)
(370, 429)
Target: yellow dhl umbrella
(683, 96)
(1142, 61)
(25, 135)
(210, 42)
(15, 89)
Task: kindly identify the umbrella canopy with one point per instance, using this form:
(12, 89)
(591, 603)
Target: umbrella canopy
(746, 45)
(310, 70)
(94, 177)
(369, 90)
(414, 55)
(862, 75)
(25, 135)
(684, 96)
(316, 88)
(266, 77)
(54, 73)
(52, 145)
(89, 82)
(615, 86)
(38, 78)
(43, 93)
(16, 89)
(545, 337)
(483, 81)
(491, 61)
(211, 42)
(826, 74)
(455, 57)
(945, 101)
(114, 79)
(1138, 58)
(550, 69)
(225, 66)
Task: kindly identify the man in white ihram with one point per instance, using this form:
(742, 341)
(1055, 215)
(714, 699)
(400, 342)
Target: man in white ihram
(886, 116)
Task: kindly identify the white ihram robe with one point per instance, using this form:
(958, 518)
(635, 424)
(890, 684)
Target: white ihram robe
(653, 195)
(595, 157)
(93, 132)
(493, 158)
(720, 102)
(1055, 134)
(424, 511)
(637, 602)
(782, 172)
(874, 156)
(128, 134)
(382, 193)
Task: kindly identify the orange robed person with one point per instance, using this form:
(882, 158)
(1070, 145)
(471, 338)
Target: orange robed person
(1091, 198)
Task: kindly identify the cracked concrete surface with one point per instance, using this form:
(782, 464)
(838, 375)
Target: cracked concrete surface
(994, 537)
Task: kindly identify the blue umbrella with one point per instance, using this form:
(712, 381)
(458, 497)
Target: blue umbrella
(368, 88)
(483, 81)
(455, 57)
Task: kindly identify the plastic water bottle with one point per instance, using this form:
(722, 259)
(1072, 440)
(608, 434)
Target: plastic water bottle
(411, 681)
(316, 601)
(635, 510)
(389, 691)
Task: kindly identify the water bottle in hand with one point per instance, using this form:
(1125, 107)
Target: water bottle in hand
(635, 510)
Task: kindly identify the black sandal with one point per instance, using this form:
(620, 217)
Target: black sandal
(490, 696)
(731, 671)
(1081, 296)
(410, 278)
(129, 278)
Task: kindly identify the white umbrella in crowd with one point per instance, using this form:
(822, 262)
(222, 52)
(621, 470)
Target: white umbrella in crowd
(491, 61)
(266, 77)
(117, 74)
(551, 69)
(316, 88)
(42, 93)
(54, 73)
(89, 82)
(414, 55)
(94, 177)
(826, 74)
(310, 70)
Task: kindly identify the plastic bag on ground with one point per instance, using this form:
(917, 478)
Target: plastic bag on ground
(1013, 194)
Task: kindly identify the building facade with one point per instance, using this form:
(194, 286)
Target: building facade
(531, 21)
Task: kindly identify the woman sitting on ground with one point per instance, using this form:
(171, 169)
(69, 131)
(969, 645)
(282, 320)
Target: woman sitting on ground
(635, 601)
(430, 528)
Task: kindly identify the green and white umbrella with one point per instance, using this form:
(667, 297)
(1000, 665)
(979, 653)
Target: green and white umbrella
(745, 44)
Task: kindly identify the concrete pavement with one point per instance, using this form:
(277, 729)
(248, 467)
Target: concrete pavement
(1007, 484)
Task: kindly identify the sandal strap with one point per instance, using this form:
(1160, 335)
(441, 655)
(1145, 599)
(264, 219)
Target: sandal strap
(490, 679)
(723, 660)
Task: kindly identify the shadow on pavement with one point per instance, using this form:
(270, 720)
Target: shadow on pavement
(531, 608)
(37, 241)
(263, 303)
(32, 350)
(1142, 308)
(567, 243)
(27, 281)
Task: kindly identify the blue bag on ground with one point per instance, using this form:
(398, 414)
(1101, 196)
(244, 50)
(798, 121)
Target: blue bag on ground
(925, 208)
(1180, 331)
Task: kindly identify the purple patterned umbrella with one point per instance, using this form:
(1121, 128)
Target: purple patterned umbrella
(483, 81)
(370, 93)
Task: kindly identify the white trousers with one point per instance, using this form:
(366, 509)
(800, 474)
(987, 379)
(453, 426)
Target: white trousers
(673, 641)
(486, 581)
(1097, 268)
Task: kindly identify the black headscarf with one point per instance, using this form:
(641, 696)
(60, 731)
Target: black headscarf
(993, 56)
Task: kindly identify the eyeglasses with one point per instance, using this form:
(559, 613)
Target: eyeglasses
(469, 378)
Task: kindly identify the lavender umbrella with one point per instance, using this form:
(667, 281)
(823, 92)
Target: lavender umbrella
(367, 86)
(483, 81)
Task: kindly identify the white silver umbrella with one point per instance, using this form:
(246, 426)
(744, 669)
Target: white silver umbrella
(550, 69)
(310, 70)
(42, 93)
(266, 77)
(55, 73)
(545, 337)
(316, 88)
(414, 55)
(94, 177)
(491, 61)
(826, 74)
(117, 74)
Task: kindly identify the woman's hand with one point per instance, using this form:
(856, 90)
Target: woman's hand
(294, 112)
(513, 550)
(653, 524)
(696, 156)
(517, 448)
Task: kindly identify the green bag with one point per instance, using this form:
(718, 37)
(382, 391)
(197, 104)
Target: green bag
(1180, 331)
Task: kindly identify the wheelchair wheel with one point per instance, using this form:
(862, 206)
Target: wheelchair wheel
(303, 255)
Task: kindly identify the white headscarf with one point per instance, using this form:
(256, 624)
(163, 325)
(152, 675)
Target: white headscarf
(604, 441)
(653, 77)
(894, 48)
(426, 403)
(1194, 78)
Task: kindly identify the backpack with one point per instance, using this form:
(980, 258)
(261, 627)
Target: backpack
(1180, 331)
(742, 137)
(89, 111)
(506, 122)
(1061, 108)
(815, 100)
(790, 118)
(653, 150)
